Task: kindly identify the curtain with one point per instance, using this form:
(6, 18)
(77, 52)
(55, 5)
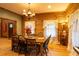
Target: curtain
(49, 28)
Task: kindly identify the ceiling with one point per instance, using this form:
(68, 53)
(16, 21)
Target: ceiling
(36, 7)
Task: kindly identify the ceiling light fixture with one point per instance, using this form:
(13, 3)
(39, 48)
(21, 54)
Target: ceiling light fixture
(29, 13)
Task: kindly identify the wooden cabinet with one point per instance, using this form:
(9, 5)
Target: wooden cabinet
(63, 33)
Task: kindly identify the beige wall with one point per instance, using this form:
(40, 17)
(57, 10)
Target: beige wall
(12, 16)
(39, 18)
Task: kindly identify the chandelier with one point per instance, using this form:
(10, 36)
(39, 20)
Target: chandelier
(29, 13)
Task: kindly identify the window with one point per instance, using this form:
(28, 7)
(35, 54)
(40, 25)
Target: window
(75, 33)
(49, 28)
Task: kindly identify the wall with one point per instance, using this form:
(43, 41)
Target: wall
(39, 18)
(12, 16)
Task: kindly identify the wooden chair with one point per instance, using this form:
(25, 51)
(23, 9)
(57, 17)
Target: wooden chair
(44, 48)
(31, 46)
(22, 45)
(15, 43)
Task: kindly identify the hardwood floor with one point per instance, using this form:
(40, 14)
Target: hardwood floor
(58, 50)
(54, 49)
(5, 47)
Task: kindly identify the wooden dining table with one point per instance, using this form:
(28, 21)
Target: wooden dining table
(39, 42)
(38, 39)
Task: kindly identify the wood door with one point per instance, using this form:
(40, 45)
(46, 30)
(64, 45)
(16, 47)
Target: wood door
(4, 28)
(5, 32)
(0, 27)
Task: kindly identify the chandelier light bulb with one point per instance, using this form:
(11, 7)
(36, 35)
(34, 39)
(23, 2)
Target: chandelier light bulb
(26, 14)
(29, 12)
(24, 10)
(33, 14)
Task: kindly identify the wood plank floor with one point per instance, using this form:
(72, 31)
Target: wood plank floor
(54, 49)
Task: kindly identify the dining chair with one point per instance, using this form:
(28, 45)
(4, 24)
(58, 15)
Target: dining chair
(22, 45)
(15, 43)
(31, 46)
(44, 49)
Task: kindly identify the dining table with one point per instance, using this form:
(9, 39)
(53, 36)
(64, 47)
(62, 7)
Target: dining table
(37, 38)
(39, 42)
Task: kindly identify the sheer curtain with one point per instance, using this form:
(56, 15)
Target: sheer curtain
(49, 28)
(75, 33)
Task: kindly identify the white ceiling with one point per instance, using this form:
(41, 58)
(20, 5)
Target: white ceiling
(36, 7)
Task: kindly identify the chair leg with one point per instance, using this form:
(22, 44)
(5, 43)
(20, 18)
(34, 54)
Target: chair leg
(12, 49)
(42, 52)
(45, 52)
